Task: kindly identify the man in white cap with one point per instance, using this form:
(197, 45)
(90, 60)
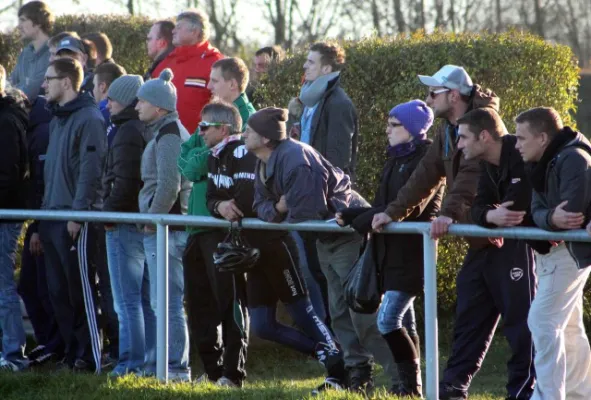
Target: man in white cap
(451, 95)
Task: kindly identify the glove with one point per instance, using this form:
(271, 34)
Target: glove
(362, 223)
(349, 214)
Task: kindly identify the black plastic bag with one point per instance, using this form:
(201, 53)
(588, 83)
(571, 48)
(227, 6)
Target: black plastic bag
(362, 287)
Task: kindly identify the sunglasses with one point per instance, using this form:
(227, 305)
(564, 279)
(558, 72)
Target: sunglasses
(204, 125)
(434, 93)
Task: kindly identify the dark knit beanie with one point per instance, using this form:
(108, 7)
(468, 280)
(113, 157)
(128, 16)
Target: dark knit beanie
(269, 123)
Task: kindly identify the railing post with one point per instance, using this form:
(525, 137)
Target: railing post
(432, 356)
(162, 303)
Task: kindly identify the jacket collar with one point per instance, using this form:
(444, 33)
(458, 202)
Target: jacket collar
(127, 114)
(241, 102)
(218, 148)
(160, 122)
(196, 50)
(270, 166)
(537, 171)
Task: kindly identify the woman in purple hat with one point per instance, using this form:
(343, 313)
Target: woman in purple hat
(399, 258)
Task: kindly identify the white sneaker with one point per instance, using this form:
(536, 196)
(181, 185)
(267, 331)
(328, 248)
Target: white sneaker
(328, 384)
(9, 366)
(226, 382)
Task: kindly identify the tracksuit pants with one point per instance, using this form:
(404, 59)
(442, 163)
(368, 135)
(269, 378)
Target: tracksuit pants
(216, 308)
(494, 283)
(71, 283)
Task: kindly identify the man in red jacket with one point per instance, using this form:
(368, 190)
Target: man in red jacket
(191, 63)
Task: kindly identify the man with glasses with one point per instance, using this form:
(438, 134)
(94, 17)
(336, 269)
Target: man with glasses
(159, 44)
(72, 172)
(451, 95)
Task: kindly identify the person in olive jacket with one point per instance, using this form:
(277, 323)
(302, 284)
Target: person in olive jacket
(125, 249)
(400, 257)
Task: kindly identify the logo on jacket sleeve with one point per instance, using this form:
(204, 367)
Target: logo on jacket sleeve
(196, 82)
(240, 151)
(515, 180)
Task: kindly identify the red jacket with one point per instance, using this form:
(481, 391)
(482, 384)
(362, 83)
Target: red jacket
(191, 66)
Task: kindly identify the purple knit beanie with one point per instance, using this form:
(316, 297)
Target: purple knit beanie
(415, 116)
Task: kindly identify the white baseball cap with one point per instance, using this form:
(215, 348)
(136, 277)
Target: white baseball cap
(451, 77)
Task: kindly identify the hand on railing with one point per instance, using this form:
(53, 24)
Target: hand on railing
(440, 226)
(379, 220)
(229, 210)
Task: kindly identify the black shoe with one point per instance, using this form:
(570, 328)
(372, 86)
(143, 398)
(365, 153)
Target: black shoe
(329, 384)
(448, 392)
(361, 380)
(83, 366)
(37, 352)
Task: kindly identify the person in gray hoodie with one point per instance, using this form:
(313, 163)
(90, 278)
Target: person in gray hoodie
(72, 174)
(165, 191)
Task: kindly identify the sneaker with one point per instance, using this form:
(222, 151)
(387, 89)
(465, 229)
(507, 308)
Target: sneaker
(448, 392)
(42, 359)
(227, 382)
(10, 366)
(329, 384)
(36, 352)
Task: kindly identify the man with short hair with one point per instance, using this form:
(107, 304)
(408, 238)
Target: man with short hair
(263, 59)
(451, 95)
(35, 22)
(505, 288)
(14, 172)
(329, 122)
(191, 63)
(227, 80)
(72, 172)
(294, 183)
(104, 75)
(560, 174)
(104, 48)
(159, 44)
(165, 191)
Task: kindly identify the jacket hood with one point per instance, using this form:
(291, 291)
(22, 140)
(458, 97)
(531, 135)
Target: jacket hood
(39, 114)
(9, 104)
(127, 114)
(482, 98)
(82, 101)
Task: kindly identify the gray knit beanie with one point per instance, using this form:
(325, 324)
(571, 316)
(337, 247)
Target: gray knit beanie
(160, 92)
(124, 89)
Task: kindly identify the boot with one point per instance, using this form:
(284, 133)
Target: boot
(411, 384)
(361, 379)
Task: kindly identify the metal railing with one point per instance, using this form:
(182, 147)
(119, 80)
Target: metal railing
(162, 221)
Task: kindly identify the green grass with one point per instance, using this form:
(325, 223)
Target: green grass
(274, 373)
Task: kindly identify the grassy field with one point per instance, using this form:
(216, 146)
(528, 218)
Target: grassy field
(274, 373)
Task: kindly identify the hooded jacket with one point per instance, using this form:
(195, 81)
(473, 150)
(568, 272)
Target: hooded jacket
(335, 128)
(191, 66)
(75, 156)
(122, 178)
(443, 162)
(313, 188)
(563, 174)
(14, 166)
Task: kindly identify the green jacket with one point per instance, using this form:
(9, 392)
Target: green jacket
(192, 164)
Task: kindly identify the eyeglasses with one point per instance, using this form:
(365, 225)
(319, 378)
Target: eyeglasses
(50, 78)
(434, 93)
(394, 124)
(204, 125)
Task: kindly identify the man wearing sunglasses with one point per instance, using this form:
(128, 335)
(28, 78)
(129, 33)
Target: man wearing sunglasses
(451, 94)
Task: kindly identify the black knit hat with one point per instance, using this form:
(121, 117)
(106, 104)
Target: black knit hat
(270, 123)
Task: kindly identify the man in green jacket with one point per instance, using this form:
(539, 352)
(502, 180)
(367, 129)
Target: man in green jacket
(228, 80)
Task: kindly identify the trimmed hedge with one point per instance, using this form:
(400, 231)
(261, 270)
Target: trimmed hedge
(128, 35)
(522, 69)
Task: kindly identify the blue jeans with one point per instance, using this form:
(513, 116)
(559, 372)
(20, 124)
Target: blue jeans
(314, 291)
(397, 311)
(178, 334)
(11, 320)
(130, 284)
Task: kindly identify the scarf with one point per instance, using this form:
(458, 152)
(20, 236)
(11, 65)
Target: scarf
(404, 149)
(217, 149)
(312, 92)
